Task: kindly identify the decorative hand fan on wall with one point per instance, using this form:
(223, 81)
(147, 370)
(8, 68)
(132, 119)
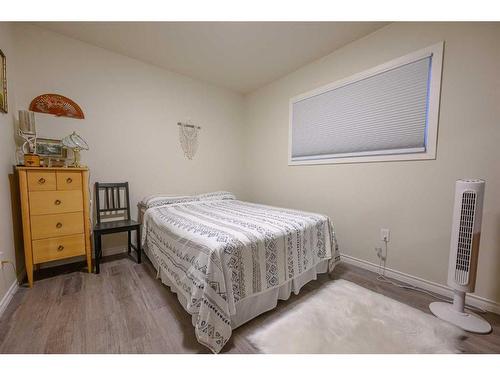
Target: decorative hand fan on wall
(57, 105)
(188, 136)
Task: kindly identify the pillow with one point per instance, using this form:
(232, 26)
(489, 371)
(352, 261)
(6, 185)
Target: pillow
(163, 200)
(216, 195)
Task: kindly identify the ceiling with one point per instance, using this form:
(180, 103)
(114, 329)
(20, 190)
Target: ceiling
(241, 56)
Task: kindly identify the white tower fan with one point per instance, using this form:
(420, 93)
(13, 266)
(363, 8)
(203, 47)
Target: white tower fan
(465, 234)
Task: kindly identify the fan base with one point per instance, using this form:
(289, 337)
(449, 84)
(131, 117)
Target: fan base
(467, 321)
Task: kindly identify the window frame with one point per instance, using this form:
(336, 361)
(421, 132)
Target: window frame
(436, 51)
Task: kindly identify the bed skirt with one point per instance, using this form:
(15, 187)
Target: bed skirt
(254, 305)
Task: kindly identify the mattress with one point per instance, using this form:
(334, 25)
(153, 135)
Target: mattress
(230, 260)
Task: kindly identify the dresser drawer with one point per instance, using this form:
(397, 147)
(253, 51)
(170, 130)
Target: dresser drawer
(58, 248)
(69, 180)
(46, 226)
(54, 202)
(41, 180)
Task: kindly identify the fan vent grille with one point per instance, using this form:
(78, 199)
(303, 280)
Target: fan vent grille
(465, 236)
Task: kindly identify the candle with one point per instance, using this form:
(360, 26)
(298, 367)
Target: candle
(27, 122)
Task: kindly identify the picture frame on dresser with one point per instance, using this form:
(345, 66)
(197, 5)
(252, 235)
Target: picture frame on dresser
(53, 148)
(52, 152)
(55, 212)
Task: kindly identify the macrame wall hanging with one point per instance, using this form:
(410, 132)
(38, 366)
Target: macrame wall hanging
(188, 136)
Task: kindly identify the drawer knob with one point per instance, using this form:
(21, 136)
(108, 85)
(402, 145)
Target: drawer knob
(60, 248)
(69, 180)
(41, 181)
(59, 225)
(57, 202)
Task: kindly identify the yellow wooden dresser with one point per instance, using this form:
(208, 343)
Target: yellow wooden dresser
(55, 215)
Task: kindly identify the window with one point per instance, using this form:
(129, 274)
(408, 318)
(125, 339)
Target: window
(387, 113)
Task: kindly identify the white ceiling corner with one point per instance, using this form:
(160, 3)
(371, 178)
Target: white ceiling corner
(241, 56)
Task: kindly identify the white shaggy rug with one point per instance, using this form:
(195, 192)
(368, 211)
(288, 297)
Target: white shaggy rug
(343, 317)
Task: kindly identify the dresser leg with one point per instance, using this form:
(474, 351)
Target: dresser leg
(89, 261)
(29, 272)
(25, 214)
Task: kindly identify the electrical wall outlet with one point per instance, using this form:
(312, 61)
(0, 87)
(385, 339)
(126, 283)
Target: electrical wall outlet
(385, 235)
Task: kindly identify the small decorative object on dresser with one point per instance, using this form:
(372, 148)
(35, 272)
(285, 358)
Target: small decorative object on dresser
(27, 131)
(31, 160)
(3, 83)
(76, 143)
(55, 215)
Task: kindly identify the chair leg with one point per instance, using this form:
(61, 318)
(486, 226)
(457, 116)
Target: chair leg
(139, 250)
(129, 242)
(97, 251)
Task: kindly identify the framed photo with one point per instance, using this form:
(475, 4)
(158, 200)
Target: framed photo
(52, 148)
(3, 83)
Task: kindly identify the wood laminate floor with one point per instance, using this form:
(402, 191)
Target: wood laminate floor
(126, 310)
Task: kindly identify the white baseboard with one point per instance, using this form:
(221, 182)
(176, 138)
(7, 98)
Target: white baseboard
(471, 299)
(8, 297)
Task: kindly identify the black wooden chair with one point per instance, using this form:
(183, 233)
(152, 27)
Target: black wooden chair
(113, 216)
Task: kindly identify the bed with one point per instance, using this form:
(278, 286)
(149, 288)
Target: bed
(229, 260)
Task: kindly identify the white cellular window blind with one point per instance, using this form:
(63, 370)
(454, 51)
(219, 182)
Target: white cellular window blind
(386, 113)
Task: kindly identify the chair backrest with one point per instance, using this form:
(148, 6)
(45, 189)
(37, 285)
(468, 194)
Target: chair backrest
(115, 202)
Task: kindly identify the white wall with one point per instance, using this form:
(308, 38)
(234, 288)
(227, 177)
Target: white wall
(7, 157)
(131, 113)
(414, 199)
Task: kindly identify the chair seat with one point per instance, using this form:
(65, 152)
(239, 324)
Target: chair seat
(116, 226)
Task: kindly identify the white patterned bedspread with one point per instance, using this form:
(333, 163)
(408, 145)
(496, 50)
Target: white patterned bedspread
(219, 251)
